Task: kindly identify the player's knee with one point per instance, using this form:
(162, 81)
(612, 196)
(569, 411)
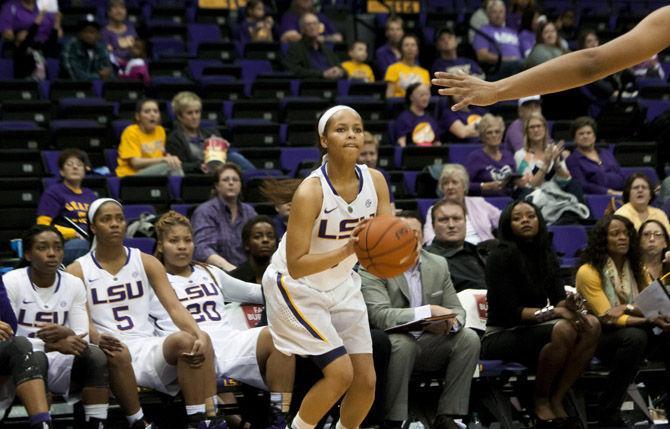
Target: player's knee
(180, 342)
(367, 380)
(120, 360)
(25, 364)
(95, 370)
(340, 372)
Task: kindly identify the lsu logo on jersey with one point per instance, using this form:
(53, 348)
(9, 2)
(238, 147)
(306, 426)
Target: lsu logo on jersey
(200, 291)
(341, 231)
(117, 293)
(38, 318)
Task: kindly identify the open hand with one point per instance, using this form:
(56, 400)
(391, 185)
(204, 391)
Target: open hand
(468, 89)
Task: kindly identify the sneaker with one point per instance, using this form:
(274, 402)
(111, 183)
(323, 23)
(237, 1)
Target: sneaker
(277, 419)
(200, 421)
(217, 422)
(94, 423)
(141, 424)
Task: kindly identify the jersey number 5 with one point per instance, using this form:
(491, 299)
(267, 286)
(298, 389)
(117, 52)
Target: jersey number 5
(126, 322)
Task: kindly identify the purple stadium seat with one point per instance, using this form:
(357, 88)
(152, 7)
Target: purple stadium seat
(183, 209)
(6, 69)
(291, 157)
(650, 172)
(500, 202)
(118, 126)
(133, 211)
(458, 152)
(145, 244)
(50, 160)
(654, 107)
(409, 178)
(174, 186)
(252, 68)
(18, 125)
(423, 204)
(568, 240)
(111, 156)
(114, 186)
(196, 67)
(166, 46)
(202, 33)
(597, 204)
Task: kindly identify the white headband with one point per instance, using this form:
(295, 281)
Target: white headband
(95, 205)
(328, 114)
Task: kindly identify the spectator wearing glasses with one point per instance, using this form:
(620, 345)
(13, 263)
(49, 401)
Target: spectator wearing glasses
(653, 240)
(65, 204)
(310, 57)
(218, 222)
(638, 193)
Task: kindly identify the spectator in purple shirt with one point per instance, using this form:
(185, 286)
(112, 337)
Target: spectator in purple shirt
(491, 168)
(517, 9)
(65, 204)
(449, 61)
(256, 25)
(415, 125)
(309, 57)
(462, 124)
(218, 222)
(514, 136)
(289, 27)
(596, 169)
(19, 15)
(118, 35)
(495, 43)
(389, 52)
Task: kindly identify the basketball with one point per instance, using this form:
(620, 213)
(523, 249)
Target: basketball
(386, 247)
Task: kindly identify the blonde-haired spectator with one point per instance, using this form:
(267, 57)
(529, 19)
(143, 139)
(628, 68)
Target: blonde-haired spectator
(490, 168)
(188, 139)
(481, 217)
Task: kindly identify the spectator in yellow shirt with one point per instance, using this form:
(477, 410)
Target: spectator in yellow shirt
(356, 67)
(142, 148)
(405, 72)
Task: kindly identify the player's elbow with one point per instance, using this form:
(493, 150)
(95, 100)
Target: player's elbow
(594, 64)
(295, 271)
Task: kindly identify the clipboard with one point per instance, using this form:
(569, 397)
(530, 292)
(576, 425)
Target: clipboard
(418, 325)
(654, 299)
(76, 227)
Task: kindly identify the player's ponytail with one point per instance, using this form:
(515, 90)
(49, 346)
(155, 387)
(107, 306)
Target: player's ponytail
(279, 191)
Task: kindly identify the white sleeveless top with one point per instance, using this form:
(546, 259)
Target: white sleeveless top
(332, 228)
(204, 297)
(119, 304)
(64, 303)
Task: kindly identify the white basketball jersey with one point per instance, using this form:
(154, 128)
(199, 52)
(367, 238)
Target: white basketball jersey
(119, 304)
(202, 298)
(333, 226)
(33, 308)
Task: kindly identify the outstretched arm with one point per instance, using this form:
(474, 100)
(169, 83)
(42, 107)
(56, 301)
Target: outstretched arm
(578, 68)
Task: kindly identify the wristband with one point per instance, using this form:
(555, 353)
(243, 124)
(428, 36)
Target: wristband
(544, 314)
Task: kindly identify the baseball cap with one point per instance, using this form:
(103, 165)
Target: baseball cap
(528, 99)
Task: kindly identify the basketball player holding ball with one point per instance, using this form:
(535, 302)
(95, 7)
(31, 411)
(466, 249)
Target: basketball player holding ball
(313, 297)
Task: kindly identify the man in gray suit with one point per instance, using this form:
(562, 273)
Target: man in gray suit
(423, 291)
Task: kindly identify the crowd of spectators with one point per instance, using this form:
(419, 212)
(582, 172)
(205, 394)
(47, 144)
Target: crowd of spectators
(468, 243)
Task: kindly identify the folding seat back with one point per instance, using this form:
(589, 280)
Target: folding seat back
(254, 133)
(20, 163)
(145, 190)
(16, 192)
(144, 244)
(39, 111)
(418, 157)
(70, 89)
(13, 90)
(196, 188)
